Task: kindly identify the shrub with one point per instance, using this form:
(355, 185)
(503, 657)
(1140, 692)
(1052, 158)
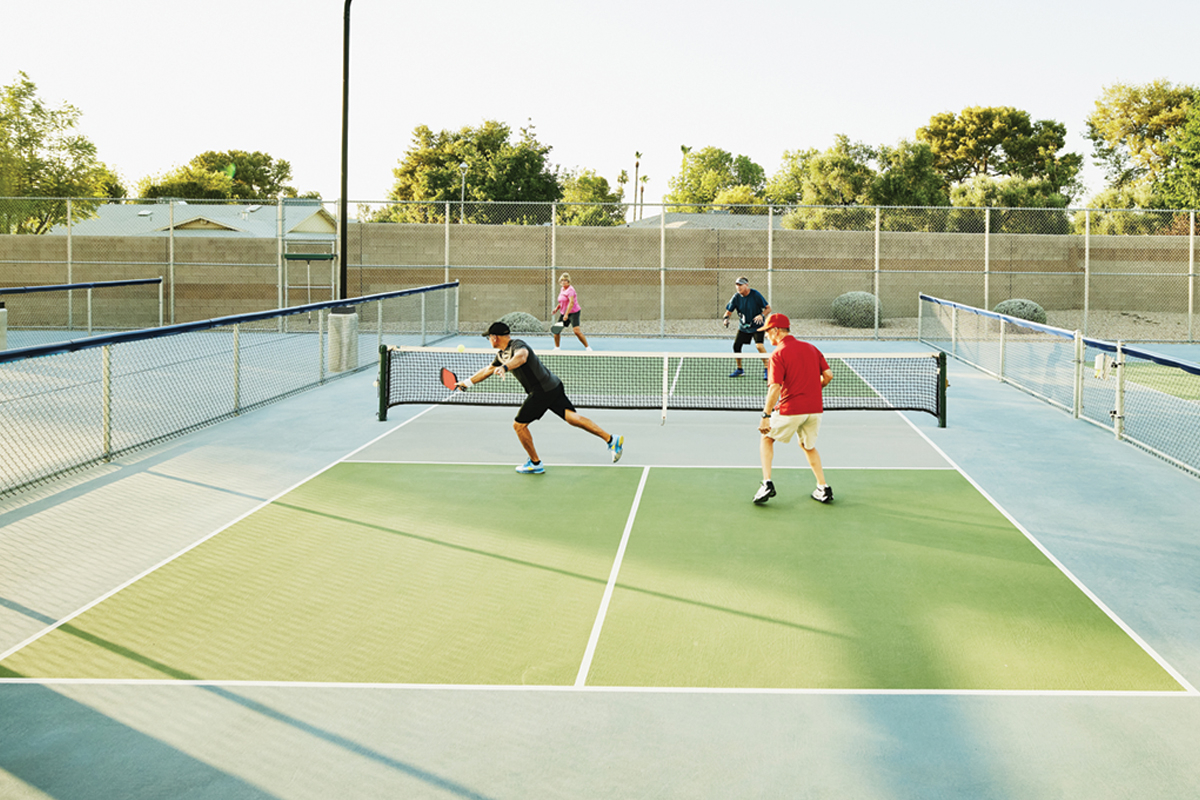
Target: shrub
(855, 310)
(1022, 309)
(520, 322)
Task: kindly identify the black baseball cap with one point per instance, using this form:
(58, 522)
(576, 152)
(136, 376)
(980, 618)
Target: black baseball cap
(498, 329)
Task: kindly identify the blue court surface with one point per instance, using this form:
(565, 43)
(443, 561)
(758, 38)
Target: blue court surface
(1113, 522)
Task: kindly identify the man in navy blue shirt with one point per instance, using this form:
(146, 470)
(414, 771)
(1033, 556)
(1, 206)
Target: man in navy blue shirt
(752, 308)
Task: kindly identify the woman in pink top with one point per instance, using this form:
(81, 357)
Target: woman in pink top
(568, 309)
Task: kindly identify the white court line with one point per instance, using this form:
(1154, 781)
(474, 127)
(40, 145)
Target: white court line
(798, 467)
(586, 665)
(1182, 681)
(572, 689)
(64, 620)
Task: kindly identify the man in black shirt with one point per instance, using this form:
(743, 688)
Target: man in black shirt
(544, 392)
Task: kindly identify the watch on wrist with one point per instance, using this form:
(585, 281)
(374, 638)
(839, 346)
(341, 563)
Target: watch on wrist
(766, 415)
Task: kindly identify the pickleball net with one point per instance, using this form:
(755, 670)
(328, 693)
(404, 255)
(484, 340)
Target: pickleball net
(666, 381)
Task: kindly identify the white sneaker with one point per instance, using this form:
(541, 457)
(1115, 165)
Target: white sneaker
(823, 494)
(589, 349)
(555, 350)
(765, 492)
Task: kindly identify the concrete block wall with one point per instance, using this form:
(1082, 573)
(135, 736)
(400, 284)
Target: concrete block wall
(617, 270)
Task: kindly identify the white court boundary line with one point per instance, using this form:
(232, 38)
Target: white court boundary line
(586, 665)
(64, 620)
(1150, 651)
(573, 689)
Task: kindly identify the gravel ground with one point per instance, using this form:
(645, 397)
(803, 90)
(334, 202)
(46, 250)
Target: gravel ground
(1111, 325)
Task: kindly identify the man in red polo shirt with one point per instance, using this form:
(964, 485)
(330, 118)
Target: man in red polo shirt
(797, 372)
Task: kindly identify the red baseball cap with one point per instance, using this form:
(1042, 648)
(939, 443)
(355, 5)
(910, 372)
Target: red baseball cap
(776, 321)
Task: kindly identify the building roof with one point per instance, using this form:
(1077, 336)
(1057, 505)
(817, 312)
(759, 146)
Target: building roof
(710, 220)
(301, 220)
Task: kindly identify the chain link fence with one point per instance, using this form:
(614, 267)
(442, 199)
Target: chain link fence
(1118, 274)
(66, 406)
(1144, 397)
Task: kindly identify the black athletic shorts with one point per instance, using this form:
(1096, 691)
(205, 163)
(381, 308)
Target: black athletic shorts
(538, 403)
(571, 320)
(744, 337)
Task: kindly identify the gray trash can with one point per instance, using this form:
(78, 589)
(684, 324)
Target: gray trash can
(343, 339)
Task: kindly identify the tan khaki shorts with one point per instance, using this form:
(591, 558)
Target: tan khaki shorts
(806, 426)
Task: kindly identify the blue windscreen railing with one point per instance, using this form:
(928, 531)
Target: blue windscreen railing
(73, 345)
(65, 287)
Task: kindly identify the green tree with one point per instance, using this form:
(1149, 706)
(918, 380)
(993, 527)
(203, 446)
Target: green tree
(741, 200)
(227, 175)
(588, 201)
(256, 175)
(706, 172)
(1179, 185)
(44, 159)
(839, 176)
(1018, 205)
(188, 182)
(1122, 211)
(1131, 126)
(908, 177)
(1001, 142)
(498, 170)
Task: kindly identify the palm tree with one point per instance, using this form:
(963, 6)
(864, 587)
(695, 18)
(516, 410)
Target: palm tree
(637, 160)
(642, 203)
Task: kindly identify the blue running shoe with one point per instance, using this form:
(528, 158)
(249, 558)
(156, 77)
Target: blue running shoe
(617, 446)
(737, 373)
(530, 468)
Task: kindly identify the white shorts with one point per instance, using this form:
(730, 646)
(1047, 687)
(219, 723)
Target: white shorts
(806, 426)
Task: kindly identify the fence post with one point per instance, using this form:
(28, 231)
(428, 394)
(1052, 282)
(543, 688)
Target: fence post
(876, 277)
(321, 345)
(662, 273)
(1191, 272)
(1087, 265)
(987, 257)
(1003, 342)
(281, 276)
(551, 294)
(106, 401)
(171, 253)
(1119, 412)
(954, 330)
(160, 302)
(237, 370)
(70, 268)
(89, 311)
(770, 252)
(1077, 405)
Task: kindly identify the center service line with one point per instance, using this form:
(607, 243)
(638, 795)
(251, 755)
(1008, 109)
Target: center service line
(585, 667)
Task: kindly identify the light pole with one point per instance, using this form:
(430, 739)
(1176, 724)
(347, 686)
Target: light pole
(462, 195)
(343, 229)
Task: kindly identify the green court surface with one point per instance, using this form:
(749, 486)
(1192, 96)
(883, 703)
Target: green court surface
(1168, 380)
(471, 574)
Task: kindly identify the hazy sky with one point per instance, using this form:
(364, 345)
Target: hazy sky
(160, 82)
